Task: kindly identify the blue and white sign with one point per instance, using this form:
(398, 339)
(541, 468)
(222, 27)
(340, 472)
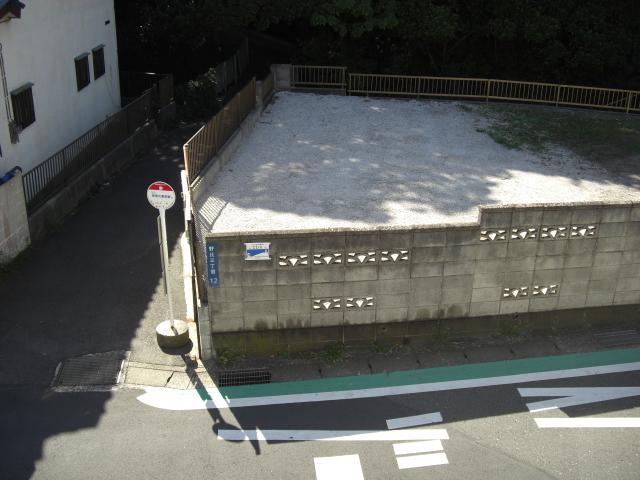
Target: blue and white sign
(212, 265)
(257, 251)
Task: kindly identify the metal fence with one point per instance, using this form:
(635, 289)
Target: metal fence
(453, 87)
(318, 76)
(44, 180)
(207, 141)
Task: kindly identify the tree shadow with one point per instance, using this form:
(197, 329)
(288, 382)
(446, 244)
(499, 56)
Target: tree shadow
(316, 160)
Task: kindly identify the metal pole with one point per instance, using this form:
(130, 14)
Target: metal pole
(160, 244)
(165, 255)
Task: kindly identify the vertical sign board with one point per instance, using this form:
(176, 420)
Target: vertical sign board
(212, 265)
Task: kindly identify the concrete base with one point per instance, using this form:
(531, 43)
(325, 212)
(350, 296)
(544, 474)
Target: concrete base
(172, 337)
(437, 331)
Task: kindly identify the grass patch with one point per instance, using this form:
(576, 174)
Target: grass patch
(334, 352)
(228, 358)
(596, 136)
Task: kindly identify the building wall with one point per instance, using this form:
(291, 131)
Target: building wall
(517, 259)
(14, 226)
(40, 48)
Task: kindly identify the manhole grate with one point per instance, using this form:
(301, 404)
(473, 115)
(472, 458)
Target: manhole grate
(94, 369)
(232, 378)
(618, 338)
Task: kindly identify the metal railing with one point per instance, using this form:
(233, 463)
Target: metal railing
(44, 180)
(207, 141)
(318, 76)
(490, 89)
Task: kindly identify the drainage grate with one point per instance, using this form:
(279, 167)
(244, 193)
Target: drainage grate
(231, 378)
(93, 369)
(617, 338)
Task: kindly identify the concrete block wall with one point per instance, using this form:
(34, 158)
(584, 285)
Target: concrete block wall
(516, 259)
(14, 225)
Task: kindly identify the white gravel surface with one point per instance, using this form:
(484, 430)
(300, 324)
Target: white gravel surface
(320, 161)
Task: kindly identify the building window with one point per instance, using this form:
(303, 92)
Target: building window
(22, 103)
(82, 70)
(98, 61)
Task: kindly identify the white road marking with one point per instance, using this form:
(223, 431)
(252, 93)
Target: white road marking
(574, 396)
(414, 421)
(427, 460)
(417, 447)
(170, 399)
(342, 467)
(333, 435)
(590, 422)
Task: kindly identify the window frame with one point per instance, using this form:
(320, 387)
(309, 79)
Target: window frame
(23, 106)
(81, 63)
(99, 68)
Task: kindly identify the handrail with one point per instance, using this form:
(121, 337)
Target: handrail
(325, 76)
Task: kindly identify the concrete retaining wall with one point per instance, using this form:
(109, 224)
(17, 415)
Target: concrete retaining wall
(516, 260)
(45, 219)
(14, 226)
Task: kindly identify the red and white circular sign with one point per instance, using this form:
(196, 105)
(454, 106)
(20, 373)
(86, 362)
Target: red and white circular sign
(161, 195)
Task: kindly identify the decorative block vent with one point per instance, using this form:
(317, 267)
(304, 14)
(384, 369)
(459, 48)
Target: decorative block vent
(293, 260)
(578, 231)
(328, 258)
(544, 290)
(524, 233)
(394, 256)
(357, 303)
(515, 292)
(327, 304)
(493, 235)
(361, 258)
(553, 232)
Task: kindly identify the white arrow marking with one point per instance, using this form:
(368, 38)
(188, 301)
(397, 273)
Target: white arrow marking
(342, 467)
(332, 435)
(414, 421)
(417, 447)
(597, 422)
(427, 460)
(574, 396)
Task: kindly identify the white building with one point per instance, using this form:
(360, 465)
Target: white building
(60, 75)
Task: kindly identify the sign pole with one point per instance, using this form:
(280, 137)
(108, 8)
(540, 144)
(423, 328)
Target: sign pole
(171, 333)
(165, 257)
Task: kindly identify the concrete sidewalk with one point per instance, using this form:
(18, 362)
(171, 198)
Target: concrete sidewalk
(367, 360)
(95, 285)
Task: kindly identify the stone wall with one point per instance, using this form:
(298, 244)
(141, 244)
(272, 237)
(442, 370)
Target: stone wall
(14, 226)
(515, 260)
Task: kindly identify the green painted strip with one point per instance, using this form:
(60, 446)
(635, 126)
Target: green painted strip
(438, 374)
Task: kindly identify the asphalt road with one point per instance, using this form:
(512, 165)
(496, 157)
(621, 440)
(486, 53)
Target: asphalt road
(486, 432)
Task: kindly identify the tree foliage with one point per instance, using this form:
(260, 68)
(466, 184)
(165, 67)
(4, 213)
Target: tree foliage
(572, 41)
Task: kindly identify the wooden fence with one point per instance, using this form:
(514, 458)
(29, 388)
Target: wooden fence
(230, 72)
(207, 141)
(47, 178)
(475, 88)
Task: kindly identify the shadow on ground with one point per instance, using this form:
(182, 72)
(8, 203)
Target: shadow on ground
(92, 286)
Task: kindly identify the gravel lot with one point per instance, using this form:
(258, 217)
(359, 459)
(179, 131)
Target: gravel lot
(321, 161)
